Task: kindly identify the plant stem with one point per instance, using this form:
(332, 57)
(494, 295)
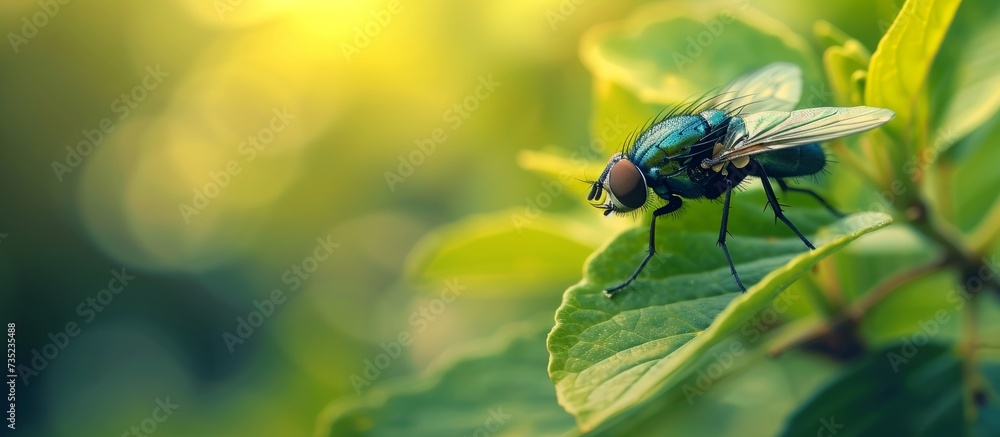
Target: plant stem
(819, 297)
(988, 231)
(945, 178)
(848, 157)
(967, 262)
(829, 282)
(970, 364)
(893, 283)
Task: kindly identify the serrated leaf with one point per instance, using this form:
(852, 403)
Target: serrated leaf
(609, 355)
(889, 392)
(499, 387)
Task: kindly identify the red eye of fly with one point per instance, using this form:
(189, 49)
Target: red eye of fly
(627, 185)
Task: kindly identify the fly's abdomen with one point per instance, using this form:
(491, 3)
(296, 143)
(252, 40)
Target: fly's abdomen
(803, 160)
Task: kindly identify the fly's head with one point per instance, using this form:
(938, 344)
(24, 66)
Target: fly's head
(625, 184)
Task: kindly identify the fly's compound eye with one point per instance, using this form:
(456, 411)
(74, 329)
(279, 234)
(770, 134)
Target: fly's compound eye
(627, 185)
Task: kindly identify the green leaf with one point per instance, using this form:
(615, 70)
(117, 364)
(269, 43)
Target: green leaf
(830, 35)
(841, 62)
(519, 251)
(503, 380)
(967, 89)
(669, 53)
(910, 307)
(559, 166)
(898, 71)
(617, 106)
(757, 393)
(891, 251)
(975, 182)
(610, 354)
(896, 391)
(988, 422)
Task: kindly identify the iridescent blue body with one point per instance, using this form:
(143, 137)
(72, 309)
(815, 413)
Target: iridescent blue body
(710, 147)
(670, 151)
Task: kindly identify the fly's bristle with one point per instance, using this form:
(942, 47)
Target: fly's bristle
(629, 144)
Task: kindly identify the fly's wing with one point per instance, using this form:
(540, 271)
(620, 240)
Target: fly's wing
(771, 130)
(774, 87)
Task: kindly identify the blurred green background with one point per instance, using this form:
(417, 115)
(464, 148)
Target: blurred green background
(313, 117)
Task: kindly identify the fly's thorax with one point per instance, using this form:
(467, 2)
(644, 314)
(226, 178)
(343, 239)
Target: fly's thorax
(669, 138)
(664, 169)
(714, 117)
(699, 175)
(724, 166)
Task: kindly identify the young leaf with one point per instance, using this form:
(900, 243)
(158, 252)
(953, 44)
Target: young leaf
(841, 62)
(611, 354)
(900, 65)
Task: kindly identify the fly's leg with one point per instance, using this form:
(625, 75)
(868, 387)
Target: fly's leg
(672, 205)
(773, 200)
(723, 232)
(785, 188)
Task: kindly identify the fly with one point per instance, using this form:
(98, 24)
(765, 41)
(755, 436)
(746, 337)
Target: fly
(709, 148)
